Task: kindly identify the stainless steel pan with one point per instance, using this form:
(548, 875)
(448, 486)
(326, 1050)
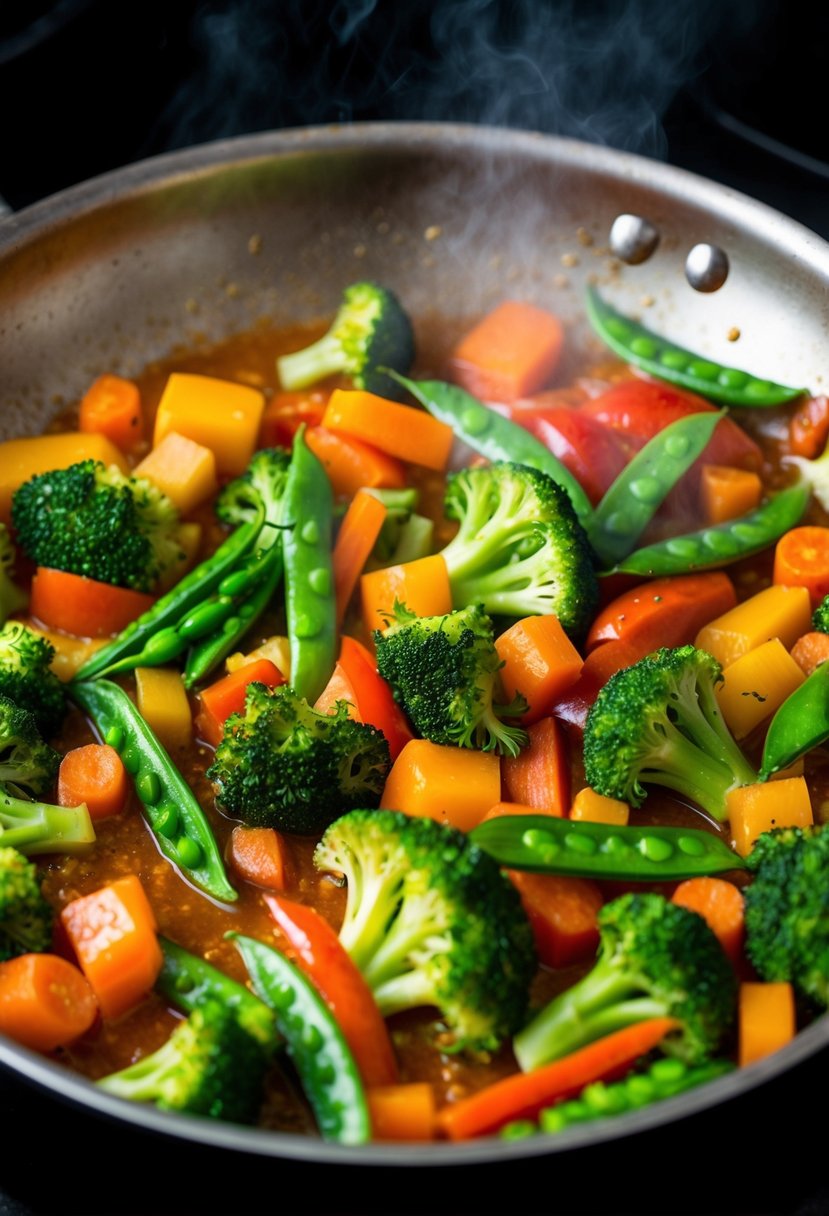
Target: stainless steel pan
(118, 271)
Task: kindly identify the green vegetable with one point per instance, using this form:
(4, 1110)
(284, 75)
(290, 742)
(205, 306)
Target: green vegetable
(722, 543)
(210, 1066)
(597, 850)
(26, 677)
(658, 723)
(519, 550)
(25, 916)
(787, 910)
(430, 920)
(208, 652)
(663, 359)
(820, 616)
(815, 477)
(800, 724)
(640, 489)
(370, 331)
(12, 598)
(493, 436)
(443, 670)
(656, 959)
(90, 519)
(313, 1040)
(281, 764)
(28, 766)
(178, 822)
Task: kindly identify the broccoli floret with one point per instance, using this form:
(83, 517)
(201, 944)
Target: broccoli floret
(281, 764)
(658, 723)
(12, 598)
(260, 488)
(430, 920)
(25, 916)
(28, 766)
(520, 549)
(443, 670)
(26, 677)
(820, 616)
(787, 910)
(90, 519)
(209, 1066)
(370, 330)
(656, 959)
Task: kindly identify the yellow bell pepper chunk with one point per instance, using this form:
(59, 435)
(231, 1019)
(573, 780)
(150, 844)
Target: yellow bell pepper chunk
(778, 612)
(162, 702)
(217, 414)
(596, 808)
(21, 459)
(182, 469)
(756, 685)
(277, 649)
(452, 785)
(754, 809)
(766, 1019)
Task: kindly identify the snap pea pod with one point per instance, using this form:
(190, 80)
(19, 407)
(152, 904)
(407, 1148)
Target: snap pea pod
(721, 543)
(168, 611)
(492, 435)
(667, 361)
(177, 820)
(309, 579)
(643, 485)
(597, 850)
(313, 1040)
(801, 723)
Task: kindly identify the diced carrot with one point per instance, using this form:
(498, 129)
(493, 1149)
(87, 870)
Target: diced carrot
(665, 611)
(218, 414)
(563, 913)
(21, 459)
(766, 1020)
(450, 784)
(801, 559)
(182, 469)
(93, 774)
(422, 585)
(355, 540)
(83, 606)
(721, 905)
(402, 1112)
(286, 412)
(810, 650)
(777, 612)
(539, 776)
(809, 427)
(45, 1002)
(260, 856)
(524, 1095)
(754, 809)
(112, 407)
(512, 352)
(350, 463)
(540, 662)
(227, 696)
(728, 493)
(598, 808)
(399, 430)
(113, 933)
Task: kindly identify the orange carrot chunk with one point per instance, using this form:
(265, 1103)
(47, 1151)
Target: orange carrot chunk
(355, 540)
(93, 774)
(422, 585)
(540, 662)
(452, 785)
(350, 463)
(721, 905)
(766, 1020)
(45, 1002)
(398, 430)
(402, 1112)
(227, 696)
(563, 913)
(810, 650)
(728, 493)
(82, 606)
(512, 352)
(539, 776)
(260, 856)
(801, 559)
(112, 407)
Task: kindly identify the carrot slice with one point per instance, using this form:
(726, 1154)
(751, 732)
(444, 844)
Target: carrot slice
(45, 1002)
(810, 650)
(563, 913)
(260, 856)
(540, 662)
(93, 774)
(112, 407)
(350, 463)
(665, 611)
(728, 493)
(227, 696)
(82, 606)
(539, 776)
(719, 903)
(512, 352)
(355, 540)
(398, 430)
(801, 559)
(523, 1096)
(402, 1112)
(766, 1020)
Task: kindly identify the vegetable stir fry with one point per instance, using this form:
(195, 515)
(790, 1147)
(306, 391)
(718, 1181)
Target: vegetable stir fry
(354, 787)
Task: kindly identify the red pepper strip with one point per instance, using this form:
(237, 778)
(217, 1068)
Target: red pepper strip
(326, 963)
(375, 700)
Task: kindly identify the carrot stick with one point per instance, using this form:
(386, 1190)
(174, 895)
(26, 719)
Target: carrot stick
(112, 407)
(355, 540)
(721, 905)
(728, 493)
(82, 606)
(766, 1020)
(810, 650)
(801, 559)
(45, 1002)
(227, 696)
(93, 774)
(402, 1112)
(539, 776)
(563, 914)
(524, 1095)
(260, 856)
(399, 430)
(350, 463)
(540, 662)
(513, 351)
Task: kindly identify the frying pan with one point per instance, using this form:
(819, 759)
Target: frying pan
(118, 271)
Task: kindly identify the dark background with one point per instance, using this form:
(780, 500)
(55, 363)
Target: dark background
(735, 91)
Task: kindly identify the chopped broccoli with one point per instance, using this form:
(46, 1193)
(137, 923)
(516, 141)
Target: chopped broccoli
(28, 766)
(820, 616)
(431, 921)
(25, 916)
(658, 723)
(26, 677)
(90, 519)
(12, 598)
(520, 549)
(209, 1066)
(260, 488)
(656, 959)
(443, 670)
(281, 764)
(787, 910)
(370, 330)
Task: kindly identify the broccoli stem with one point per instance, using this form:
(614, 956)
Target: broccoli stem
(37, 827)
(500, 589)
(305, 367)
(409, 991)
(682, 765)
(144, 1080)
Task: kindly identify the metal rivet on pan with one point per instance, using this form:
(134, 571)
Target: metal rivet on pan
(633, 239)
(706, 267)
